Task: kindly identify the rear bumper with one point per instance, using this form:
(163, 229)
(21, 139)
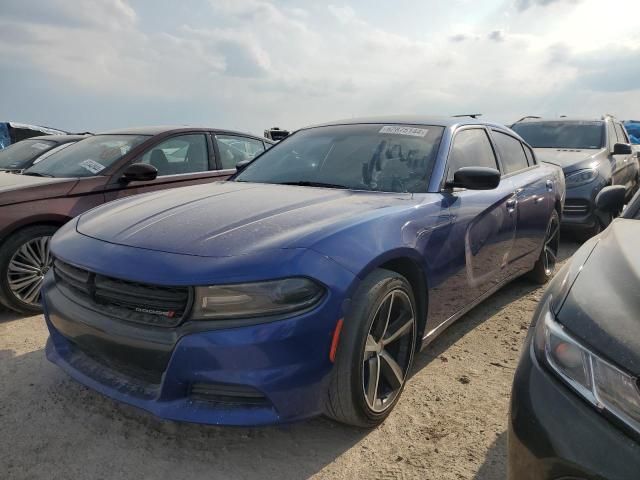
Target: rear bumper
(553, 434)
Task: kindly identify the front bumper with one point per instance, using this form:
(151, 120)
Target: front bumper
(579, 207)
(554, 434)
(281, 365)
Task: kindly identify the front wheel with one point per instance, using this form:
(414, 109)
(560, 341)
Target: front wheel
(545, 266)
(24, 261)
(375, 353)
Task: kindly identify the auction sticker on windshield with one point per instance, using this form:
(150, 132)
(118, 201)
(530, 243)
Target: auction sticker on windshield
(91, 165)
(398, 130)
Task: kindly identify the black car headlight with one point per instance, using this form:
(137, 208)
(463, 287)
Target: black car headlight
(581, 177)
(242, 300)
(601, 383)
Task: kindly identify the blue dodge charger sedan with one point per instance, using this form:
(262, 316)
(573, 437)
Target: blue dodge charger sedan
(306, 284)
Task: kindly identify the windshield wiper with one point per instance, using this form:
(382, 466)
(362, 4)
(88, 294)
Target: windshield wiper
(303, 183)
(37, 174)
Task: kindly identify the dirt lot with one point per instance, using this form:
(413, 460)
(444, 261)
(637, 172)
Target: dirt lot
(449, 424)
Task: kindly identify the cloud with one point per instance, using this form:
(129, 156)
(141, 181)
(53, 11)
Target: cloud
(522, 5)
(249, 64)
(496, 36)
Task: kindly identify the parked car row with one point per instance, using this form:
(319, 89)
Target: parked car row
(305, 283)
(95, 170)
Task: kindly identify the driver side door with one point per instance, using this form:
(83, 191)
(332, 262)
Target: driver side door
(181, 160)
(483, 229)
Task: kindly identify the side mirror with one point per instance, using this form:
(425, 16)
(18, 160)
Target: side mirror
(475, 178)
(622, 149)
(139, 172)
(611, 199)
(242, 165)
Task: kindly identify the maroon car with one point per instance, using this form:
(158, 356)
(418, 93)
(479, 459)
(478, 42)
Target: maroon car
(91, 172)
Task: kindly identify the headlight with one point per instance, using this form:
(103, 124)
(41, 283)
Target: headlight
(581, 177)
(604, 385)
(255, 299)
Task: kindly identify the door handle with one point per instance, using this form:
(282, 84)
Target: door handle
(511, 204)
(539, 199)
(550, 185)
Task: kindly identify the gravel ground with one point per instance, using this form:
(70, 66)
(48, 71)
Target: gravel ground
(449, 424)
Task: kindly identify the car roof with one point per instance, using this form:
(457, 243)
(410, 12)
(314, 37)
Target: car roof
(563, 119)
(158, 129)
(440, 121)
(59, 138)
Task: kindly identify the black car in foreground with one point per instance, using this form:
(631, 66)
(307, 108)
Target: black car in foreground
(575, 404)
(593, 154)
(26, 153)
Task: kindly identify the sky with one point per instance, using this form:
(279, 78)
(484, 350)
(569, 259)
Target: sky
(253, 64)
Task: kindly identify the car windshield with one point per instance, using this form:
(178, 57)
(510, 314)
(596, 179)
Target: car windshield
(21, 154)
(88, 157)
(385, 158)
(562, 134)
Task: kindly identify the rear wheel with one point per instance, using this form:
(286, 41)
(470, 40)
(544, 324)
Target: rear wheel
(375, 353)
(545, 267)
(24, 261)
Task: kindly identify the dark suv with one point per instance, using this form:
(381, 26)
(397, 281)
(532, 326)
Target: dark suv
(592, 154)
(91, 172)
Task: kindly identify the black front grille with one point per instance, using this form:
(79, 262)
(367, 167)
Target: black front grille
(130, 301)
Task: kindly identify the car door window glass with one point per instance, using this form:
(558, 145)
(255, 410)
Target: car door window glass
(622, 135)
(471, 148)
(178, 155)
(234, 149)
(511, 152)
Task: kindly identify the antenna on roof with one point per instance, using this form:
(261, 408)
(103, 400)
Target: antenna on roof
(472, 115)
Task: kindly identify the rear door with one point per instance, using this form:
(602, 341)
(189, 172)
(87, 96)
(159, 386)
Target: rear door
(183, 159)
(532, 197)
(484, 224)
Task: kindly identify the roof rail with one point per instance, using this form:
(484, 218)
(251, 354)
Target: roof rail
(608, 115)
(535, 117)
(472, 115)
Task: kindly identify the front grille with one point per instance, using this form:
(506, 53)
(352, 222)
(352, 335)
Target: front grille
(576, 207)
(228, 395)
(155, 305)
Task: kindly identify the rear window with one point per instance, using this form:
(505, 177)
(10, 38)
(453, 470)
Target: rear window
(562, 134)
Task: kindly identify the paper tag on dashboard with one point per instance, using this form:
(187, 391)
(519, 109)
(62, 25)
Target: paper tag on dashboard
(91, 165)
(400, 130)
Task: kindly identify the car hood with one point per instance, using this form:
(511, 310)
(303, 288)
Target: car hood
(603, 304)
(228, 218)
(23, 188)
(569, 160)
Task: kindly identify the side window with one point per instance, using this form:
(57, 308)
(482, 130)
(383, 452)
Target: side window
(177, 155)
(471, 148)
(531, 159)
(234, 149)
(622, 134)
(511, 152)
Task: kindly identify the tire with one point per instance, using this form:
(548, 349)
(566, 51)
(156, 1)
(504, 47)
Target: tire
(15, 264)
(350, 399)
(545, 266)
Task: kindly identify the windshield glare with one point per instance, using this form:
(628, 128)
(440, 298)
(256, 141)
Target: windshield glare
(385, 158)
(88, 157)
(570, 135)
(19, 155)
